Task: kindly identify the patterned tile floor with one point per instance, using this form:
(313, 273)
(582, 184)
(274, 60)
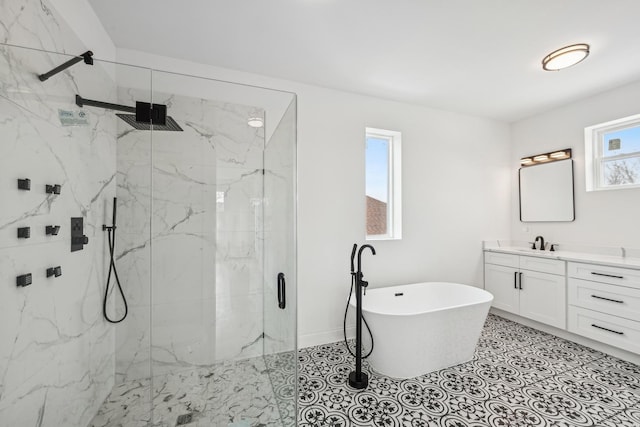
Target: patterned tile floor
(519, 376)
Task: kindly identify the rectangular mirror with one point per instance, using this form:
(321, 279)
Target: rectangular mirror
(546, 192)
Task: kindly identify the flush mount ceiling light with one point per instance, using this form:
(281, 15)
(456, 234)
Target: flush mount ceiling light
(546, 157)
(565, 57)
(255, 122)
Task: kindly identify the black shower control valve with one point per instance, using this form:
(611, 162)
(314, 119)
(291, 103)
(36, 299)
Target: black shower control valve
(24, 232)
(78, 239)
(54, 271)
(24, 184)
(53, 189)
(52, 230)
(24, 280)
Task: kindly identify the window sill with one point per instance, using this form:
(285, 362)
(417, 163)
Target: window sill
(382, 238)
(613, 188)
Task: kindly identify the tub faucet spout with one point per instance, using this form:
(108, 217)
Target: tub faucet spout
(359, 275)
(373, 251)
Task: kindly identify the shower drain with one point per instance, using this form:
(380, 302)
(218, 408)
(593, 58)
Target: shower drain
(184, 419)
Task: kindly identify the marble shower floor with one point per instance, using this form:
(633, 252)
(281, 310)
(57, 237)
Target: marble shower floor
(230, 393)
(518, 377)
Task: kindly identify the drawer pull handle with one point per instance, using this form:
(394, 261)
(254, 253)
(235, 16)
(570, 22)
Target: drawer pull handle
(520, 285)
(607, 275)
(515, 280)
(608, 299)
(606, 329)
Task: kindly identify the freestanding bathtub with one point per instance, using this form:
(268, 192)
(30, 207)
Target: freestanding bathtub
(423, 327)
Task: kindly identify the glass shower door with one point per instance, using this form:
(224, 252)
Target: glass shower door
(280, 276)
(208, 254)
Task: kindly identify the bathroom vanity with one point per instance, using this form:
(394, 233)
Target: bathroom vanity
(532, 287)
(604, 304)
(590, 295)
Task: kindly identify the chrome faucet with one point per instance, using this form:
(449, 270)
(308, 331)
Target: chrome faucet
(541, 242)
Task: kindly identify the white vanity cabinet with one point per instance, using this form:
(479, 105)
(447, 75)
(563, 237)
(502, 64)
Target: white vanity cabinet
(529, 286)
(604, 304)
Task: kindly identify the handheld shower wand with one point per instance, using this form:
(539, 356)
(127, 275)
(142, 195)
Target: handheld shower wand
(113, 216)
(353, 256)
(111, 235)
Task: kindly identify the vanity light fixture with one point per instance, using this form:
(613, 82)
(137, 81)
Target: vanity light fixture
(255, 122)
(560, 154)
(546, 157)
(565, 57)
(526, 161)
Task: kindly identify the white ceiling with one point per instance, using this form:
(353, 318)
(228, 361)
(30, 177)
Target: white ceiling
(480, 57)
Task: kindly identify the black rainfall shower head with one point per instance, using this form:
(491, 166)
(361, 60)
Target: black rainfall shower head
(170, 124)
(145, 116)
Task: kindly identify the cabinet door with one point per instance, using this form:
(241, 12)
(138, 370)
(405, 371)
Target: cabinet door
(500, 281)
(543, 298)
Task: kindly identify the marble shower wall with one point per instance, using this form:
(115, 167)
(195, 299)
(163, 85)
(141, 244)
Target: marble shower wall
(239, 227)
(56, 351)
(189, 251)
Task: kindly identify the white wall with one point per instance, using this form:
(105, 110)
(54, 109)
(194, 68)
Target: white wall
(603, 218)
(456, 192)
(84, 23)
(455, 182)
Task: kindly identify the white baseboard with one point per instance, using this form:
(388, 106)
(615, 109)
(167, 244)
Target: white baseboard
(319, 338)
(613, 351)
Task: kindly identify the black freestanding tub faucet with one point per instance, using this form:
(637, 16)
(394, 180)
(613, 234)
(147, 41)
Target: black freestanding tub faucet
(357, 378)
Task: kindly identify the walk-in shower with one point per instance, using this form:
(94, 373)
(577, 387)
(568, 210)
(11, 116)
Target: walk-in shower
(196, 278)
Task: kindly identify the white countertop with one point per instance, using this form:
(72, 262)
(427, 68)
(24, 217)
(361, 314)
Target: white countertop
(613, 261)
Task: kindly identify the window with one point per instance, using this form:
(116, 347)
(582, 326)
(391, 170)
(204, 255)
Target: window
(612, 154)
(383, 184)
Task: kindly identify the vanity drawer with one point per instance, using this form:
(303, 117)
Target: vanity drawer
(553, 266)
(605, 328)
(499, 258)
(609, 299)
(605, 274)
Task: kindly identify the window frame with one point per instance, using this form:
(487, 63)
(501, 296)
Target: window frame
(594, 160)
(394, 183)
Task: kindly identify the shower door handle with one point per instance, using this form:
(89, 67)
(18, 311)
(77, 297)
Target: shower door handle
(282, 296)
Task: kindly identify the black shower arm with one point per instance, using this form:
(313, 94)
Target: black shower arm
(81, 102)
(87, 57)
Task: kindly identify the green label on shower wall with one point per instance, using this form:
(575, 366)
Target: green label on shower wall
(73, 118)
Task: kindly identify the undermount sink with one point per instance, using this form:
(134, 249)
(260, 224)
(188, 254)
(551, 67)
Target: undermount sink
(534, 251)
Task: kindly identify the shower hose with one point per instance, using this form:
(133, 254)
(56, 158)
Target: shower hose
(111, 235)
(344, 322)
